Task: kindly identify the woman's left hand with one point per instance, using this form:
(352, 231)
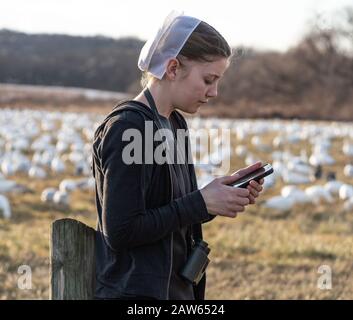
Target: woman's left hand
(255, 188)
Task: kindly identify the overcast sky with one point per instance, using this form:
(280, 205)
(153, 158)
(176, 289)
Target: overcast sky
(263, 24)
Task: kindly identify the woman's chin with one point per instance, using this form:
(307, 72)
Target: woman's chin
(190, 109)
(194, 109)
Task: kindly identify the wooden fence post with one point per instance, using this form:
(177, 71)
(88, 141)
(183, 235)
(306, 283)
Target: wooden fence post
(72, 260)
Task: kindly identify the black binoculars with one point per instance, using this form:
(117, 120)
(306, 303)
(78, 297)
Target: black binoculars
(196, 264)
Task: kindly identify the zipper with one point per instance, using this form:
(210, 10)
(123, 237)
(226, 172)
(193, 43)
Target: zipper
(171, 240)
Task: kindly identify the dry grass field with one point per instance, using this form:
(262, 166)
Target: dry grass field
(262, 254)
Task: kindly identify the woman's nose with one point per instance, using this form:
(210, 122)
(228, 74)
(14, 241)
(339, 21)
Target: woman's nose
(212, 93)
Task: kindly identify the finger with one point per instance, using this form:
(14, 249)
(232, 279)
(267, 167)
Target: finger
(234, 208)
(241, 201)
(248, 169)
(252, 199)
(238, 208)
(240, 192)
(254, 184)
(231, 213)
(262, 181)
(229, 179)
(253, 192)
(252, 189)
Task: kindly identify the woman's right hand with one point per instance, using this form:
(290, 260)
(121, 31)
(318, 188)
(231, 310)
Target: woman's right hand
(225, 200)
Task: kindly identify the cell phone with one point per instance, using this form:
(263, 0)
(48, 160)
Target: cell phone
(256, 175)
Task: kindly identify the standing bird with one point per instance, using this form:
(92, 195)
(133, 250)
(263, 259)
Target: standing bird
(5, 207)
(48, 195)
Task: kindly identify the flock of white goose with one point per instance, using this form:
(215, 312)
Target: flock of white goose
(43, 145)
(300, 174)
(40, 145)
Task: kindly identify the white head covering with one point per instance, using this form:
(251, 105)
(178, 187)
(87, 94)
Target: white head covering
(167, 43)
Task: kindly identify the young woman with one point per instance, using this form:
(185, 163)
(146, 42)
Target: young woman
(150, 213)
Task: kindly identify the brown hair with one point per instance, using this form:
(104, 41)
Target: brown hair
(204, 44)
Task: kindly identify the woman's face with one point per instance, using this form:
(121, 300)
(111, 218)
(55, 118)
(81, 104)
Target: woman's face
(197, 83)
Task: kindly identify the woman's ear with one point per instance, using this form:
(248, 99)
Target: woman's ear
(173, 67)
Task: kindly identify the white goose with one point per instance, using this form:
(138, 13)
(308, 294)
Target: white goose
(297, 165)
(87, 184)
(318, 193)
(68, 185)
(280, 203)
(5, 207)
(241, 133)
(348, 205)
(48, 125)
(291, 177)
(41, 143)
(61, 198)
(47, 156)
(19, 144)
(88, 133)
(48, 195)
(241, 151)
(348, 170)
(347, 149)
(37, 158)
(82, 169)
(57, 165)
(76, 156)
(61, 146)
(259, 144)
(278, 141)
(278, 168)
(7, 185)
(256, 141)
(321, 158)
(295, 193)
(250, 159)
(269, 181)
(21, 163)
(37, 173)
(333, 186)
(345, 192)
(8, 168)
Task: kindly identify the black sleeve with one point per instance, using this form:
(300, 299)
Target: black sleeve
(209, 218)
(126, 222)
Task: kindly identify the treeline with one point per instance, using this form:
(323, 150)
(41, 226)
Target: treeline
(313, 78)
(89, 62)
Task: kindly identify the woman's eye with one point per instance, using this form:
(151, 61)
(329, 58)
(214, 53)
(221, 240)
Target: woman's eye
(208, 81)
